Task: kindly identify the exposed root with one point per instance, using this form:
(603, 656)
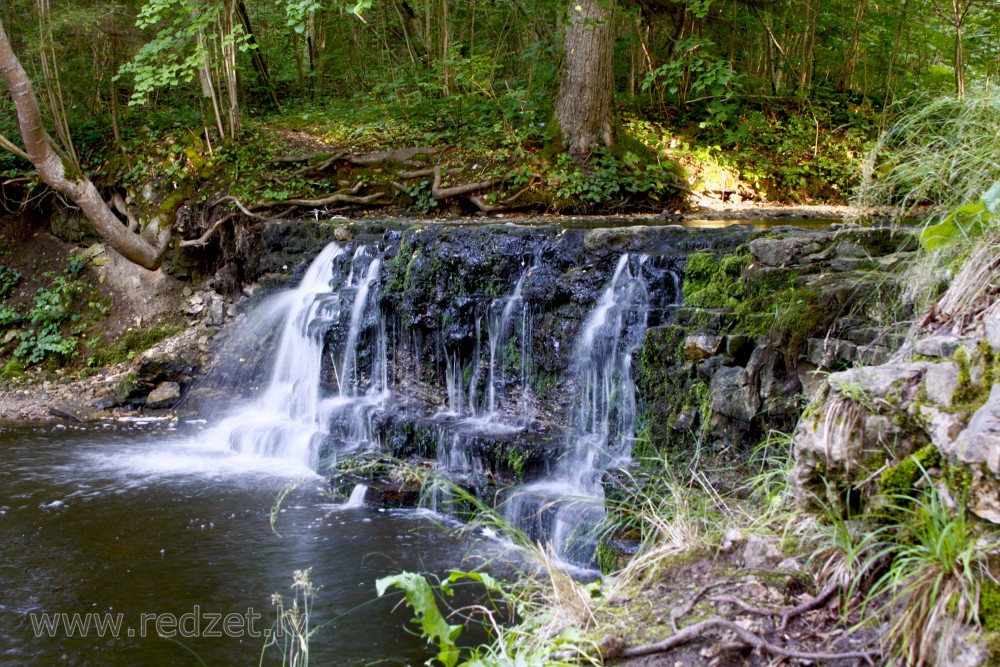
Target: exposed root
(697, 631)
(445, 193)
(338, 197)
(501, 206)
(424, 173)
(207, 236)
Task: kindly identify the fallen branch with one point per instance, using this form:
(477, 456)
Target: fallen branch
(815, 603)
(697, 631)
(444, 193)
(680, 612)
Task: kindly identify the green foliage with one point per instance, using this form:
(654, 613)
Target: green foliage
(938, 566)
(50, 327)
(938, 154)
(130, 343)
(180, 47)
(607, 177)
(965, 223)
(433, 626)
(9, 278)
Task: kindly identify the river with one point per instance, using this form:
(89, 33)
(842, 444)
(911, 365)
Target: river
(131, 519)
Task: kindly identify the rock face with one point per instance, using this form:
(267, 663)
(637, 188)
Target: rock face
(862, 438)
(757, 322)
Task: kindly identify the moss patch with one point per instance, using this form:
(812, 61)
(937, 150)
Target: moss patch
(899, 479)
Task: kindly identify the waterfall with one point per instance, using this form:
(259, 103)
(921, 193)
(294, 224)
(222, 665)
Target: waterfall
(567, 508)
(500, 317)
(291, 419)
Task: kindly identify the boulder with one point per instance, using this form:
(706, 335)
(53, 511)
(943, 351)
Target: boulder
(165, 395)
(732, 396)
(940, 382)
(701, 346)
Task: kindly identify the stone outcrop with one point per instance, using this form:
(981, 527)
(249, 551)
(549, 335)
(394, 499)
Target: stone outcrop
(876, 431)
(759, 322)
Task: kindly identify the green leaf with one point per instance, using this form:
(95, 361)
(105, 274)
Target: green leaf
(963, 223)
(433, 626)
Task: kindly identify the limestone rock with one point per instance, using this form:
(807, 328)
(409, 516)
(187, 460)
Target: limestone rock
(342, 234)
(731, 394)
(877, 381)
(761, 553)
(164, 395)
(992, 324)
(781, 252)
(980, 441)
(830, 352)
(940, 382)
(942, 426)
(701, 346)
(936, 346)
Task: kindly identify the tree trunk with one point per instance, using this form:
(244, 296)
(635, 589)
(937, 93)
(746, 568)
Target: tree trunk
(583, 105)
(146, 251)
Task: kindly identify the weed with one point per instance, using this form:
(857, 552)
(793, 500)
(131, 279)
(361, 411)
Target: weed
(933, 585)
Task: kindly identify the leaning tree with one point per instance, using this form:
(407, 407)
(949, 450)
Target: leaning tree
(142, 244)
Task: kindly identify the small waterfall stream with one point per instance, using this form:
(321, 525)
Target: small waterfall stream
(567, 508)
(331, 377)
(291, 418)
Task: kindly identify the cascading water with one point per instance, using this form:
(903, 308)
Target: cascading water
(500, 330)
(565, 510)
(291, 419)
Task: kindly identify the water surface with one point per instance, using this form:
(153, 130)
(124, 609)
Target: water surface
(144, 519)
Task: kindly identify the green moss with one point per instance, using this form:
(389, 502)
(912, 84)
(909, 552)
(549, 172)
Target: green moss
(989, 605)
(13, 369)
(959, 479)
(132, 342)
(899, 479)
(608, 560)
(713, 282)
(969, 396)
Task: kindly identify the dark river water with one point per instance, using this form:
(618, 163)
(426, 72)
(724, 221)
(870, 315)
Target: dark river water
(141, 520)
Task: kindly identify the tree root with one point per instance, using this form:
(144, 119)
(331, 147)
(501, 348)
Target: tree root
(444, 193)
(401, 155)
(697, 631)
(338, 197)
(501, 206)
(424, 173)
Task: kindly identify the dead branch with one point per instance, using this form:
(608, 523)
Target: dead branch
(444, 193)
(697, 631)
(680, 612)
(815, 603)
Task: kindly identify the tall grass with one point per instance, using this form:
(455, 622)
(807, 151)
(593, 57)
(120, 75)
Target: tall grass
(938, 154)
(932, 587)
